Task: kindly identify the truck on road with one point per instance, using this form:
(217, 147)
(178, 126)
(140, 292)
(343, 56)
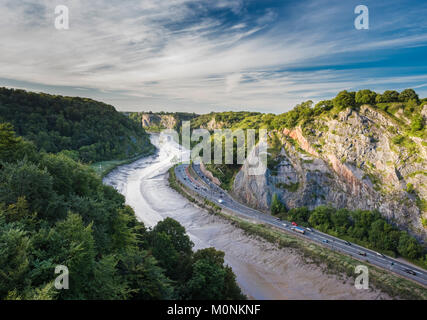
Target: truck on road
(298, 229)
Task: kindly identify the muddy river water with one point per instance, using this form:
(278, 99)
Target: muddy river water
(263, 271)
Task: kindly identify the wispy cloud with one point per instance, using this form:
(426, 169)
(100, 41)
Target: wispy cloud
(205, 55)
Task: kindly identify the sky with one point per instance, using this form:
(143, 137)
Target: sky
(212, 55)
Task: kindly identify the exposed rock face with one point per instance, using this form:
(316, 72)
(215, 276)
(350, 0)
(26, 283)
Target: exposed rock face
(160, 121)
(349, 163)
(297, 135)
(209, 174)
(213, 124)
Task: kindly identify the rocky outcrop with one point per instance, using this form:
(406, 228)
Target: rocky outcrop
(350, 164)
(213, 124)
(297, 135)
(160, 121)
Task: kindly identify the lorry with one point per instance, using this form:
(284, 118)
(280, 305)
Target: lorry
(298, 229)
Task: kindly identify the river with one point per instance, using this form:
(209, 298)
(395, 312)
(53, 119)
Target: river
(262, 270)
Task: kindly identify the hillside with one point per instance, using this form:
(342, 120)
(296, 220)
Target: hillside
(358, 151)
(89, 130)
(55, 211)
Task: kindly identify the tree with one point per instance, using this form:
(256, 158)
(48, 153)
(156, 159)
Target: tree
(299, 215)
(365, 97)
(162, 248)
(146, 279)
(408, 94)
(206, 282)
(25, 179)
(231, 290)
(417, 123)
(8, 141)
(323, 105)
(13, 147)
(176, 231)
(74, 247)
(409, 247)
(14, 259)
(107, 283)
(377, 234)
(276, 205)
(321, 217)
(68, 175)
(388, 96)
(341, 221)
(172, 247)
(344, 99)
(210, 280)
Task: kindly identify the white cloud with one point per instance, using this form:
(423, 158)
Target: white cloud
(232, 81)
(150, 50)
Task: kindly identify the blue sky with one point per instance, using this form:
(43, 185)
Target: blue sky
(202, 56)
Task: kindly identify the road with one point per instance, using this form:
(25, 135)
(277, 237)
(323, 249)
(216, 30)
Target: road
(207, 189)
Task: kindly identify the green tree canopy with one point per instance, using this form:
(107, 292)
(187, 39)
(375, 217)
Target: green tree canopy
(344, 99)
(388, 96)
(408, 94)
(366, 97)
(93, 130)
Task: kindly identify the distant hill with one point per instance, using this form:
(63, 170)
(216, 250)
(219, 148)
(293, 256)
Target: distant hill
(91, 130)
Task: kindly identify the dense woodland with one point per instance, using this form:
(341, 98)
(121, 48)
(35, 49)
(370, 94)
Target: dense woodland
(86, 129)
(367, 228)
(56, 211)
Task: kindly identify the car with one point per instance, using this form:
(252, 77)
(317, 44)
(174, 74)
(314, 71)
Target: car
(308, 229)
(380, 254)
(220, 200)
(362, 253)
(294, 224)
(278, 219)
(284, 224)
(410, 272)
(325, 241)
(347, 243)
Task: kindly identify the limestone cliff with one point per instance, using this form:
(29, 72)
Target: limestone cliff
(152, 120)
(349, 161)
